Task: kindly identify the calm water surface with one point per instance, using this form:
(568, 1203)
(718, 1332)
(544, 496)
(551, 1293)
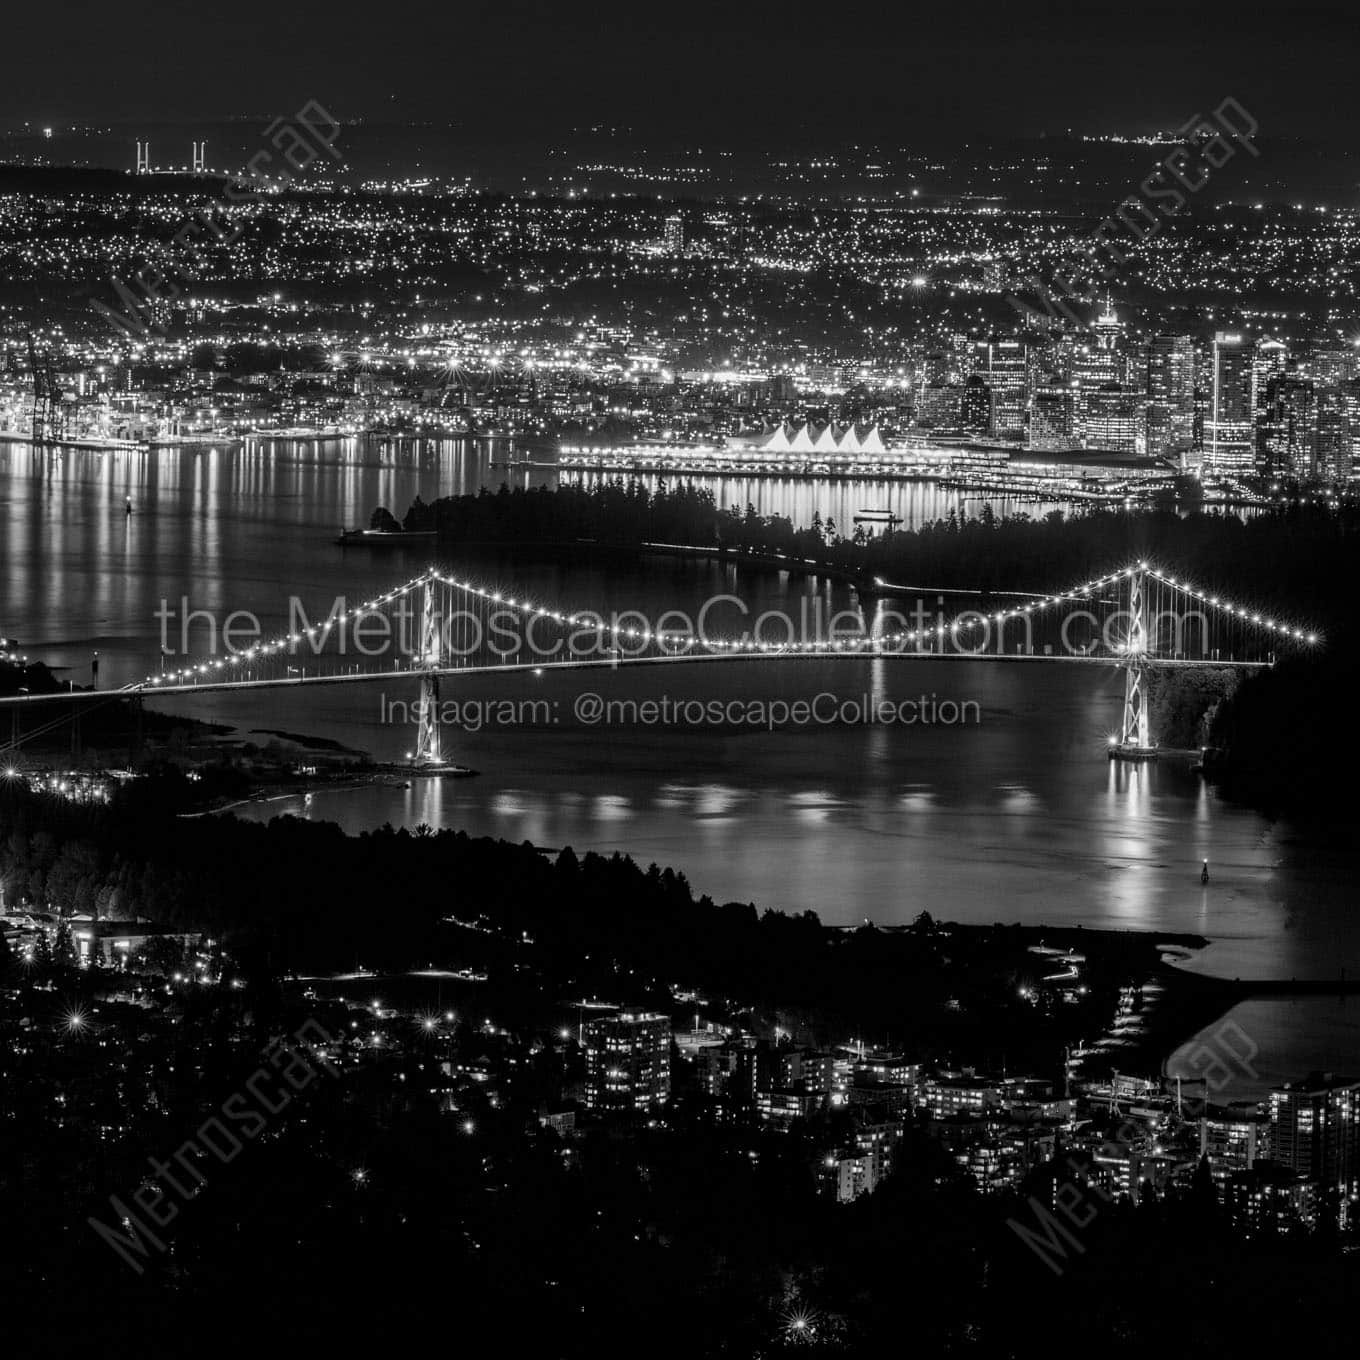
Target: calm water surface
(1018, 817)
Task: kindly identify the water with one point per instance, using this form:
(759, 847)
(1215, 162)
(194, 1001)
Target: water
(1016, 818)
(799, 498)
(1270, 1040)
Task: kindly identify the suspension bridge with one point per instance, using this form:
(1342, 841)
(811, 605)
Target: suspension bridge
(436, 627)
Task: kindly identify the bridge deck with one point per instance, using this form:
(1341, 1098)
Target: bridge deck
(207, 686)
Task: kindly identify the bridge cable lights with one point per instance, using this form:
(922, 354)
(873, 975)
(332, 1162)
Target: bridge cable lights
(960, 629)
(1227, 608)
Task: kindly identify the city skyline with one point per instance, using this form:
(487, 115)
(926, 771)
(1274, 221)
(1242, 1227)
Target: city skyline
(675, 680)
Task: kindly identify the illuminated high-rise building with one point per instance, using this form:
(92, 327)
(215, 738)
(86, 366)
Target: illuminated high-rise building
(1228, 425)
(1053, 417)
(1113, 419)
(1108, 328)
(628, 1062)
(940, 367)
(1330, 367)
(1269, 1199)
(1095, 364)
(1332, 458)
(939, 406)
(1171, 396)
(1287, 428)
(1269, 359)
(1003, 365)
(1350, 401)
(675, 234)
(1315, 1130)
(975, 406)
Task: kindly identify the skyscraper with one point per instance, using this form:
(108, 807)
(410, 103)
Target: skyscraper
(1269, 359)
(1332, 457)
(1053, 417)
(1287, 427)
(1331, 367)
(1228, 422)
(975, 409)
(1108, 328)
(1002, 365)
(1113, 419)
(1350, 400)
(1171, 396)
(628, 1062)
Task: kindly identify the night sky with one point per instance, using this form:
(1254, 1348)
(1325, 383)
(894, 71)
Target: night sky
(738, 71)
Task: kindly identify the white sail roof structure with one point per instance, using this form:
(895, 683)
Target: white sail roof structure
(826, 440)
(782, 439)
(778, 442)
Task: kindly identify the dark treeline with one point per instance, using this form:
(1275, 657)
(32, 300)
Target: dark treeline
(300, 896)
(1185, 704)
(1296, 561)
(672, 1242)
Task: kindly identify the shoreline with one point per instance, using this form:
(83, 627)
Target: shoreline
(1176, 1003)
(391, 776)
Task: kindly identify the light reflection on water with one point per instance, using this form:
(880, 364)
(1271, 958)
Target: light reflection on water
(1022, 818)
(1019, 818)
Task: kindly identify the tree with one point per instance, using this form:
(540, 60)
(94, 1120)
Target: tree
(1203, 1194)
(63, 947)
(162, 953)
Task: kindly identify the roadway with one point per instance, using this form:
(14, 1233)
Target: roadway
(150, 689)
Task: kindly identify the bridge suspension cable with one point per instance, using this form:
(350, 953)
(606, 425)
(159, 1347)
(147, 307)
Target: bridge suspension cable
(437, 624)
(1138, 610)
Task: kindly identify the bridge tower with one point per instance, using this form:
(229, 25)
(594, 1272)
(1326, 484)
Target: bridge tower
(1134, 741)
(428, 752)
